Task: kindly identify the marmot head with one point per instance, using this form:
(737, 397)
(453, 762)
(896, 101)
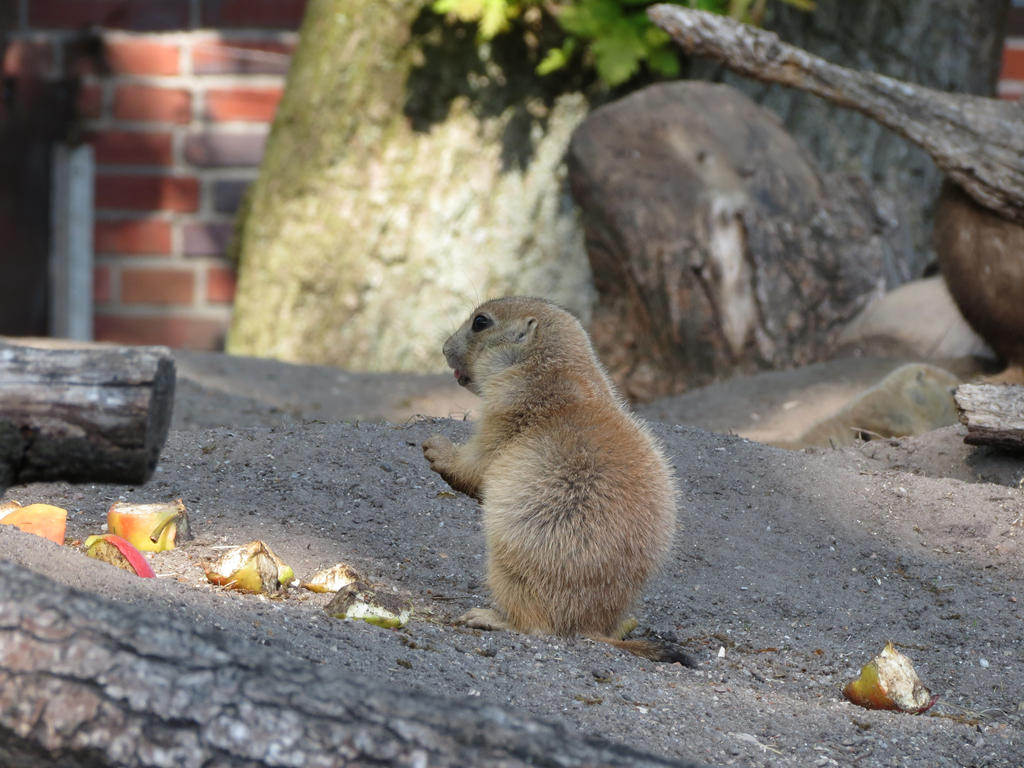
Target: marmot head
(504, 332)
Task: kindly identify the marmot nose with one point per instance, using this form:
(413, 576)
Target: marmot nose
(450, 357)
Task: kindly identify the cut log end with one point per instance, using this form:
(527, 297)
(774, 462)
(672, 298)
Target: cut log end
(993, 415)
(94, 414)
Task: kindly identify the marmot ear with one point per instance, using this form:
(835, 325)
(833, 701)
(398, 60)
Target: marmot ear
(525, 331)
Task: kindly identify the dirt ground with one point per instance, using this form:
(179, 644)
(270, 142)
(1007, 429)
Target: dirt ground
(792, 569)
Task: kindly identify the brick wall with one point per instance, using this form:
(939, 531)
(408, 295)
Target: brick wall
(176, 98)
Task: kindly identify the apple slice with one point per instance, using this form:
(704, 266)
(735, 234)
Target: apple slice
(332, 579)
(251, 568)
(44, 520)
(150, 527)
(889, 681)
(357, 601)
(112, 549)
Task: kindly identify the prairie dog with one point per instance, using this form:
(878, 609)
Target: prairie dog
(579, 505)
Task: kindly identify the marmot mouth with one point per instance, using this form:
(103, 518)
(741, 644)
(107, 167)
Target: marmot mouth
(462, 377)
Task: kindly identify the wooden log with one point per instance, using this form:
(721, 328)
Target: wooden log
(90, 682)
(978, 142)
(96, 413)
(993, 414)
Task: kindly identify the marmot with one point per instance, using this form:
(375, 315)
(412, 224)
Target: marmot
(579, 505)
(981, 257)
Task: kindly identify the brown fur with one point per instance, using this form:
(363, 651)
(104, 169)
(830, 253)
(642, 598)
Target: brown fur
(578, 502)
(981, 256)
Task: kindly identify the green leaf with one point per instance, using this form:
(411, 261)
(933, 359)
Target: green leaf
(557, 58)
(589, 18)
(663, 61)
(493, 18)
(464, 10)
(618, 34)
(554, 60)
(655, 37)
(617, 53)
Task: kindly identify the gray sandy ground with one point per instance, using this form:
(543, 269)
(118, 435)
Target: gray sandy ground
(790, 572)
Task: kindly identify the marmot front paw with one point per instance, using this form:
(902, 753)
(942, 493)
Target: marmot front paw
(440, 452)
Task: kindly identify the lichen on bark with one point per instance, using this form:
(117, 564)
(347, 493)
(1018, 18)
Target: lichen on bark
(409, 174)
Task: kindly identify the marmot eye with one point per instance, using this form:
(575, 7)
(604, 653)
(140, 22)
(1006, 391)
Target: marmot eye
(481, 322)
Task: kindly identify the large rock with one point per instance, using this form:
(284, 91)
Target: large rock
(918, 320)
(716, 245)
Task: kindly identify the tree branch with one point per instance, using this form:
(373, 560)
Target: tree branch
(978, 142)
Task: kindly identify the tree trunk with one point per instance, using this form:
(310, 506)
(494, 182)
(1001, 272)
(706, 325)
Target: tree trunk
(406, 176)
(85, 682)
(96, 414)
(948, 45)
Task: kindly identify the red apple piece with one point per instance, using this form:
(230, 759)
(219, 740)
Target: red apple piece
(112, 549)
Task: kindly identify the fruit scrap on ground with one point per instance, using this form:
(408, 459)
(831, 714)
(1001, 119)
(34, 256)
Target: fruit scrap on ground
(150, 527)
(357, 601)
(112, 549)
(44, 520)
(332, 579)
(889, 681)
(252, 567)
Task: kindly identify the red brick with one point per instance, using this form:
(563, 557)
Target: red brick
(179, 331)
(28, 58)
(150, 15)
(240, 57)
(147, 193)
(149, 236)
(1013, 63)
(140, 56)
(226, 148)
(249, 104)
(101, 285)
(220, 285)
(132, 147)
(90, 102)
(206, 238)
(158, 286)
(151, 103)
(268, 14)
